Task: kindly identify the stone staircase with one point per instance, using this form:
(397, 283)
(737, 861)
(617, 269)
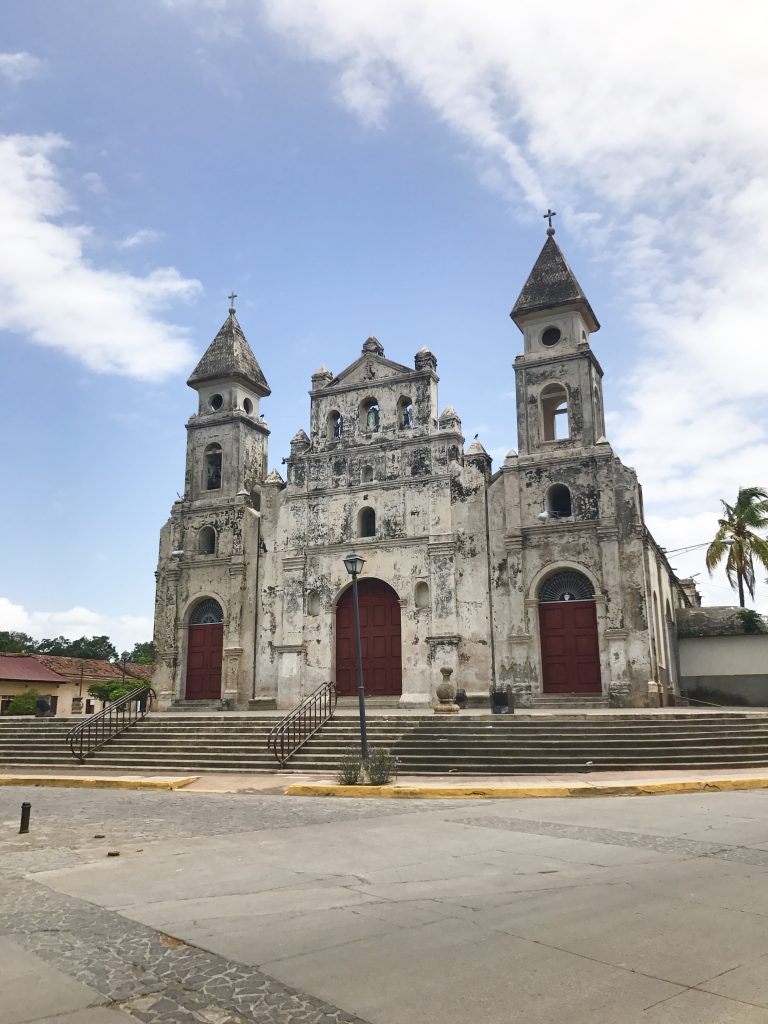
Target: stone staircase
(572, 701)
(471, 745)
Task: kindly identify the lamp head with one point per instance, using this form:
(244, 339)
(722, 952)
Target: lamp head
(354, 564)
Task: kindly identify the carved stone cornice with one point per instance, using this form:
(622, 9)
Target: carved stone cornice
(446, 640)
(518, 638)
(288, 648)
(293, 563)
(513, 544)
(441, 548)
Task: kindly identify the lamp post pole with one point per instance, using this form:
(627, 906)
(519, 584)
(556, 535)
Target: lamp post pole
(354, 564)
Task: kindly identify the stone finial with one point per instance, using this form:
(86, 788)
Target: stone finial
(299, 442)
(274, 478)
(510, 458)
(477, 455)
(322, 377)
(373, 345)
(449, 419)
(424, 359)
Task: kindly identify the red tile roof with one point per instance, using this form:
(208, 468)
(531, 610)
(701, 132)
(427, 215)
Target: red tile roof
(25, 669)
(92, 670)
(50, 668)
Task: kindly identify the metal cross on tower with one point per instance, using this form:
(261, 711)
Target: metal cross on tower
(232, 298)
(548, 217)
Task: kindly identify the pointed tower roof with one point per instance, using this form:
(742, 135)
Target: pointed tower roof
(230, 355)
(550, 284)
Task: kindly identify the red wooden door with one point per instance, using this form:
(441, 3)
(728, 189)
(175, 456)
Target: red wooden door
(379, 641)
(204, 662)
(570, 655)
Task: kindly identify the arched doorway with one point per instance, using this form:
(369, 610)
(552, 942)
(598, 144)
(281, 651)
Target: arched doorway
(570, 652)
(204, 651)
(379, 641)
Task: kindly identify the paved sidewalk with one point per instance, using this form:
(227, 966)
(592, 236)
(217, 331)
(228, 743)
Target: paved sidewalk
(428, 786)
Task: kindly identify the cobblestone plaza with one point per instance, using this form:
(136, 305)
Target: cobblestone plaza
(224, 908)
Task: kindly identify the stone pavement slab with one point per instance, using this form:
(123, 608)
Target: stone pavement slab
(31, 990)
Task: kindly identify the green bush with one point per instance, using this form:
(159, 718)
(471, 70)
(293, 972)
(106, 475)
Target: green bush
(751, 621)
(23, 703)
(382, 766)
(114, 689)
(350, 768)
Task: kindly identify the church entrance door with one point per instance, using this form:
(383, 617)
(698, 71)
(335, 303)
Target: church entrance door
(570, 652)
(379, 641)
(204, 652)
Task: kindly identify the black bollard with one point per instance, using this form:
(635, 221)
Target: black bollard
(26, 809)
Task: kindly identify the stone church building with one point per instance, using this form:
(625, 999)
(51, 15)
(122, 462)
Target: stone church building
(541, 575)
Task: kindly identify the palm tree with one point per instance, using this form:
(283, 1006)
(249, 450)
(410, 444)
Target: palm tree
(736, 536)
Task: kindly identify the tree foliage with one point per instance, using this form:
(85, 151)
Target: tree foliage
(113, 689)
(96, 648)
(738, 540)
(92, 648)
(142, 654)
(16, 643)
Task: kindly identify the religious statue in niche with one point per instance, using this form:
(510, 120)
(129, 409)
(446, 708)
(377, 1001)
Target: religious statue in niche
(338, 426)
(407, 416)
(372, 419)
(213, 472)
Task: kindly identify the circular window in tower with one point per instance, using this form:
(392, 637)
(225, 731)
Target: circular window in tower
(248, 405)
(215, 402)
(551, 336)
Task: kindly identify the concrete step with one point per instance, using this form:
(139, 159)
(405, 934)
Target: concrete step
(471, 745)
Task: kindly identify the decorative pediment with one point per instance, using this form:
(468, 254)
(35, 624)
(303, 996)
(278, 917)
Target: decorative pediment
(369, 367)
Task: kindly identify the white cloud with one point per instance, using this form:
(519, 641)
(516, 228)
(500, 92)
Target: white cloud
(647, 125)
(53, 294)
(123, 630)
(144, 236)
(94, 183)
(19, 67)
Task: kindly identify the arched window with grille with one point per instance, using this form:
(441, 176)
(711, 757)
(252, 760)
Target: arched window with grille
(206, 613)
(567, 585)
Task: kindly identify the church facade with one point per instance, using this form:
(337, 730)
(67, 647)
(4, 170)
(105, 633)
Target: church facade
(541, 575)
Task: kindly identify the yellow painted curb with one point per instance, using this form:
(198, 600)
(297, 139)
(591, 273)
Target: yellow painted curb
(92, 782)
(527, 792)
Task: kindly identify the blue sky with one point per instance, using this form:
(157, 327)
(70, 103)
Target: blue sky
(353, 169)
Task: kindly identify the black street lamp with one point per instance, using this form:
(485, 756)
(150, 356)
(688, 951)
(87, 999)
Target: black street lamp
(354, 566)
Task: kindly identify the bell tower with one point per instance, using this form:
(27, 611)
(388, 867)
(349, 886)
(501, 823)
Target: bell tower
(227, 438)
(210, 549)
(558, 378)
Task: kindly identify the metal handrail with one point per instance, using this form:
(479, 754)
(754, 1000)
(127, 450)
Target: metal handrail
(96, 730)
(293, 731)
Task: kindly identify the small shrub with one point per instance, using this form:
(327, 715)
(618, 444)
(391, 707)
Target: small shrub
(382, 766)
(751, 621)
(350, 768)
(23, 703)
